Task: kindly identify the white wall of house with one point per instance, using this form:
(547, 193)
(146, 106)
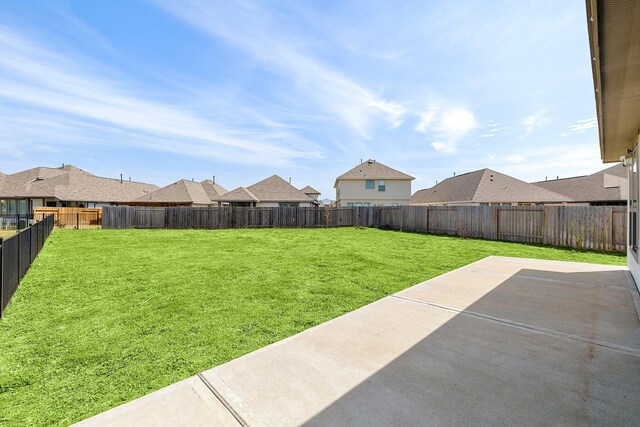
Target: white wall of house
(396, 192)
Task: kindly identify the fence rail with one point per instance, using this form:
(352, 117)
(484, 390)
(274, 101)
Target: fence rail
(585, 227)
(17, 253)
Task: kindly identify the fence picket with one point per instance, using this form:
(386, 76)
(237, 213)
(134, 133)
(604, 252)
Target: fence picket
(589, 227)
(17, 253)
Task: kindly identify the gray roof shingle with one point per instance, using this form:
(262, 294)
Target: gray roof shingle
(70, 183)
(273, 189)
(485, 186)
(240, 194)
(184, 192)
(610, 184)
(310, 190)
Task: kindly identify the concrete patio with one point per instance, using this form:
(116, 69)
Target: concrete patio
(502, 341)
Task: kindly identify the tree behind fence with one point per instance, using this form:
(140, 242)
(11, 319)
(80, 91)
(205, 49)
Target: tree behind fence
(584, 227)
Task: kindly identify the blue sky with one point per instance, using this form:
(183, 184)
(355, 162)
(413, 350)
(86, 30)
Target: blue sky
(161, 90)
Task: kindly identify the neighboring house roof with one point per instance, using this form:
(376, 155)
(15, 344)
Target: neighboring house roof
(485, 186)
(273, 189)
(240, 194)
(610, 184)
(310, 190)
(70, 183)
(276, 189)
(180, 192)
(372, 170)
(213, 190)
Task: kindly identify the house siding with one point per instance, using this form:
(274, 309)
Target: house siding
(397, 192)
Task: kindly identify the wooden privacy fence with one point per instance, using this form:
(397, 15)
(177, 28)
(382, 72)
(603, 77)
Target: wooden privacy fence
(16, 255)
(583, 227)
(71, 217)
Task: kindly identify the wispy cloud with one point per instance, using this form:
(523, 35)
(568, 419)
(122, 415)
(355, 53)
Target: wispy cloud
(281, 49)
(446, 126)
(581, 126)
(59, 89)
(535, 121)
(491, 129)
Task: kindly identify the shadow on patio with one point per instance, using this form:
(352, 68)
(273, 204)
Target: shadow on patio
(541, 347)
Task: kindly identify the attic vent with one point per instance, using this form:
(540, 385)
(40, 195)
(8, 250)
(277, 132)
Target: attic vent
(370, 161)
(36, 179)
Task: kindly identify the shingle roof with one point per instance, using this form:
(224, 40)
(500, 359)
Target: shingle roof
(310, 190)
(272, 189)
(213, 189)
(240, 194)
(610, 184)
(70, 184)
(276, 189)
(485, 186)
(373, 170)
(182, 191)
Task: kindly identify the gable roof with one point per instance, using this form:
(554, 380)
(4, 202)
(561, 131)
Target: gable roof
(213, 189)
(240, 194)
(70, 183)
(485, 186)
(610, 184)
(310, 190)
(272, 189)
(276, 189)
(372, 170)
(179, 192)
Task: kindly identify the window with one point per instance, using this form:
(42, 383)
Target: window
(288, 205)
(366, 204)
(381, 185)
(358, 204)
(12, 207)
(22, 207)
(349, 204)
(370, 184)
(3, 207)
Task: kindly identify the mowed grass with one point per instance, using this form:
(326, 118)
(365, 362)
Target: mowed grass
(105, 316)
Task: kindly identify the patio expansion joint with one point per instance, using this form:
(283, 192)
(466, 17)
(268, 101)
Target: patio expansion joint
(223, 401)
(630, 351)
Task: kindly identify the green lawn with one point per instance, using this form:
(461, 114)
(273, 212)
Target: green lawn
(105, 316)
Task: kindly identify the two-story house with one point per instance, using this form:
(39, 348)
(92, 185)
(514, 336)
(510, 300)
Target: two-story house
(373, 184)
